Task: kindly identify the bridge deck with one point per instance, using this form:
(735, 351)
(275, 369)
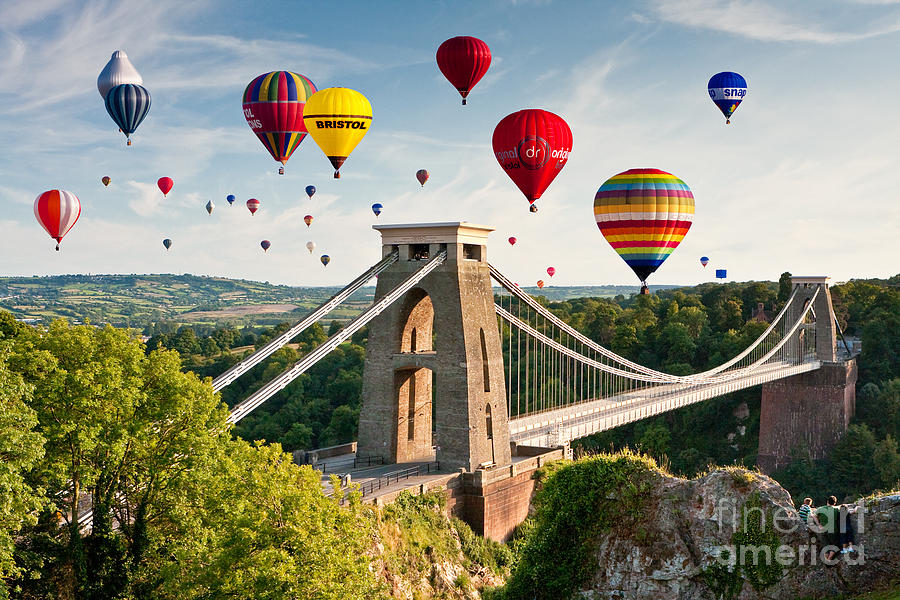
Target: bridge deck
(556, 427)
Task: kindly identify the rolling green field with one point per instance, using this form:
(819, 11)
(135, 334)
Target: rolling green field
(136, 300)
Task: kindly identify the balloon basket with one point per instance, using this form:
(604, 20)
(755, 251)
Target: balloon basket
(464, 102)
(129, 142)
(728, 121)
(57, 247)
(281, 170)
(337, 175)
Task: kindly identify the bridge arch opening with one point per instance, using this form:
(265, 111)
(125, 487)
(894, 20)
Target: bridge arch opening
(413, 391)
(417, 322)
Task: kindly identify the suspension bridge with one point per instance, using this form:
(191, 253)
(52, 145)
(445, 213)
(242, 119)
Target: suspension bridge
(480, 380)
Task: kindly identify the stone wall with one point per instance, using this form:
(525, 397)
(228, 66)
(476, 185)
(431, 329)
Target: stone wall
(805, 413)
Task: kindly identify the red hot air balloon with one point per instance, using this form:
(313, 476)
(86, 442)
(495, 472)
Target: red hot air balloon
(253, 205)
(422, 176)
(105, 180)
(57, 211)
(266, 244)
(532, 146)
(165, 185)
(512, 241)
(540, 284)
(464, 60)
(308, 219)
(551, 271)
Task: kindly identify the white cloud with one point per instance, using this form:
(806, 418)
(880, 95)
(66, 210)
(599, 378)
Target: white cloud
(761, 21)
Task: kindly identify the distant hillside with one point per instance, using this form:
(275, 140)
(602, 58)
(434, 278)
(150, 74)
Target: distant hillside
(136, 300)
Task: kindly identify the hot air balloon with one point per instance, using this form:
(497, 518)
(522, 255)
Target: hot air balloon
(310, 246)
(540, 284)
(721, 273)
(551, 271)
(165, 185)
(106, 181)
(265, 244)
(210, 206)
(167, 243)
(57, 211)
(310, 191)
(337, 120)
(308, 219)
(128, 104)
(512, 241)
(273, 106)
(117, 71)
(230, 198)
(704, 260)
(463, 60)
(727, 90)
(422, 176)
(644, 214)
(532, 146)
(376, 208)
(325, 259)
(253, 205)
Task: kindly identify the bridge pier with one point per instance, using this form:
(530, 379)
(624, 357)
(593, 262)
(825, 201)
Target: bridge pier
(811, 411)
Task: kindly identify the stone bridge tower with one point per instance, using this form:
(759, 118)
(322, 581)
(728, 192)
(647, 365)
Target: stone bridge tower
(433, 383)
(806, 415)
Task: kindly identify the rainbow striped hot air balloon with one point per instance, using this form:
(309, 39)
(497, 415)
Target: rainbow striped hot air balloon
(273, 106)
(644, 214)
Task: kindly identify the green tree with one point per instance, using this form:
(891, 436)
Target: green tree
(887, 462)
(852, 462)
(20, 450)
(342, 428)
(784, 287)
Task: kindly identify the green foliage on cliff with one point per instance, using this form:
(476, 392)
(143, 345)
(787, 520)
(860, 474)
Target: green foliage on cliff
(557, 551)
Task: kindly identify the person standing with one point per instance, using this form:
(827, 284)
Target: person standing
(828, 517)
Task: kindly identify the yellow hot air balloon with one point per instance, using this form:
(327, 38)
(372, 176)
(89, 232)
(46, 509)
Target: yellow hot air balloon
(337, 119)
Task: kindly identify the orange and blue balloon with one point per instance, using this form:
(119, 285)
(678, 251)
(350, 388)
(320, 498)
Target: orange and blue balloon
(727, 90)
(644, 214)
(325, 259)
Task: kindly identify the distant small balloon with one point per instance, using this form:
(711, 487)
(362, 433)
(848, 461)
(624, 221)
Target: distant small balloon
(308, 219)
(210, 206)
(422, 176)
(512, 241)
(165, 185)
(540, 283)
(376, 208)
(253, 205)
(704, 260)
(266, 244)
(551, 271)
(167, 243)
(106, 181)
(230, 198)
(325, 259)
(310, 246)
(310, 191)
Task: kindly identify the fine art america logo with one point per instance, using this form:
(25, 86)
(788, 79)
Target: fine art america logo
(757, 534)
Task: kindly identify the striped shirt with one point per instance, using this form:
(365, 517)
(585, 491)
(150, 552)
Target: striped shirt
(804, 512)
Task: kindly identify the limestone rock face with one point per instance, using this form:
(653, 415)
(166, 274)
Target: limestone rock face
(676, 551)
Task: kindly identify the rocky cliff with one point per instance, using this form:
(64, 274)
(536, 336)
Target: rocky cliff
(732, 533)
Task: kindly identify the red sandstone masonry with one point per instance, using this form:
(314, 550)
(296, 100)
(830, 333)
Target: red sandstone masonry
(811, 410)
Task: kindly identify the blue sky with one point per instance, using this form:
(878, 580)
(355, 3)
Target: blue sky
(805, 178)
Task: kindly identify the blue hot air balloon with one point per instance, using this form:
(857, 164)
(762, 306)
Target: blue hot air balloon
(704, 260)
(727, 90)
(310, 190)
(230, 198)
(128, 104)
(721, 273)
(325, 259)
(376, 208)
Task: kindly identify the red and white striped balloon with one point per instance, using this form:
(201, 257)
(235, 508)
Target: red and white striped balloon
(57, 211)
